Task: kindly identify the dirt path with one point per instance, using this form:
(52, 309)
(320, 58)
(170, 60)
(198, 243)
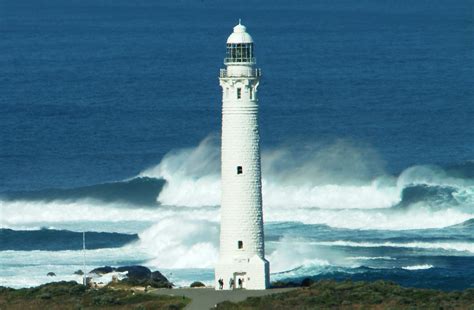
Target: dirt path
(206, 298)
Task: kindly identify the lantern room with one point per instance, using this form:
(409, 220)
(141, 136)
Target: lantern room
(240, 48)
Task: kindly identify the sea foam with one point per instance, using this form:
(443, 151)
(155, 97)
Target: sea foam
(418, 267)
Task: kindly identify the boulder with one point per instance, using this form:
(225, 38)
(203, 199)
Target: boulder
(102, 270)
(159, 280)
(51, 274)
(79, 272)
(136, 273)
(157, 276)
(197, 284)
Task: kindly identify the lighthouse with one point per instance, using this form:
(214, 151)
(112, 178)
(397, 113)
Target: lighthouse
(242, 262)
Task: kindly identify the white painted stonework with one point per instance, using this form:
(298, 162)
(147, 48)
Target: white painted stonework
(242, 252)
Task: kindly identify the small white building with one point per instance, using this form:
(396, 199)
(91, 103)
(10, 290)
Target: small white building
(242, 262)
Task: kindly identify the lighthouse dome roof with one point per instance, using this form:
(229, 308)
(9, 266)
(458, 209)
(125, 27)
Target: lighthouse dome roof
(239, 35)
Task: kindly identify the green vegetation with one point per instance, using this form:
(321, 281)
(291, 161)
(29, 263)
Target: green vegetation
(70, 295)
(357, 295)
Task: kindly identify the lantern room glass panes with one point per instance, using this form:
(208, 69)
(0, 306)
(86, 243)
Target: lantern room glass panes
(241, 52)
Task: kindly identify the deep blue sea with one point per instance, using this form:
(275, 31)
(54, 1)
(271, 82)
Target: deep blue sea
(110, 114)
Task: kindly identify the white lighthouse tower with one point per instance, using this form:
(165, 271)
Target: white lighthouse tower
(242, 262)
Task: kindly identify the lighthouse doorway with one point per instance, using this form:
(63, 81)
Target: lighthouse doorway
(240, 280)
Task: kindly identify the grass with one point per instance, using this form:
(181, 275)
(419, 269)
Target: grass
(70, 295)
(328, 294)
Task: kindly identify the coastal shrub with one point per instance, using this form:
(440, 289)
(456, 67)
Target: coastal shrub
(105, 300)
(375, 298)
(136, 298)
(345, 285)
(283, 284)
(4, 289)
(77, 290)
(70, 295)
(358, 295)
(45, 296)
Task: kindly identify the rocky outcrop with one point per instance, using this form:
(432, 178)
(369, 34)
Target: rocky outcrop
(103, 270)
(157, 276)
(137, 275)
(197, 284)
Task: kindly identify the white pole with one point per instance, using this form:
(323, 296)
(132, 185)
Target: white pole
(84, 258)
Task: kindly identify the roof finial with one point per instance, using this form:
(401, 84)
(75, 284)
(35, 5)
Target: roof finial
(239, 22)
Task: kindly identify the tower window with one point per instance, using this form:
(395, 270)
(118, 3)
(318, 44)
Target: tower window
(239, 170)
(239, 93)
(251, 93)
(240, 244)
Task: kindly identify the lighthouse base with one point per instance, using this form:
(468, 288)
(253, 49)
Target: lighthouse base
(243, 273)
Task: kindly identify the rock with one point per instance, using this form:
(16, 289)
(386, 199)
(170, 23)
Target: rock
(102, 270)
(159, 280)
(197, 284)
(51, 274)
(136, 273)
(306, 282)
(139, 275)
(157, 276)
(79, 272)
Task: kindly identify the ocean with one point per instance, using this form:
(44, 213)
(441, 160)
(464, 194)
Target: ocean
(110, 115)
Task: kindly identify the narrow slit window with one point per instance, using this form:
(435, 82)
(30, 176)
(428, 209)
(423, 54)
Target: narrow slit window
(240, 244)
(251, 93)
(239, 170)
(239, 93)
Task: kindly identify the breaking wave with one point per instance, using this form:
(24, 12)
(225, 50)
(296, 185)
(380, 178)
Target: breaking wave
(178, 243)
(342, 175)
(289, 255)
(467, 247)
(137, 191)
(337, 176)
(342, 185)
(419, 216)
(418, 267)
